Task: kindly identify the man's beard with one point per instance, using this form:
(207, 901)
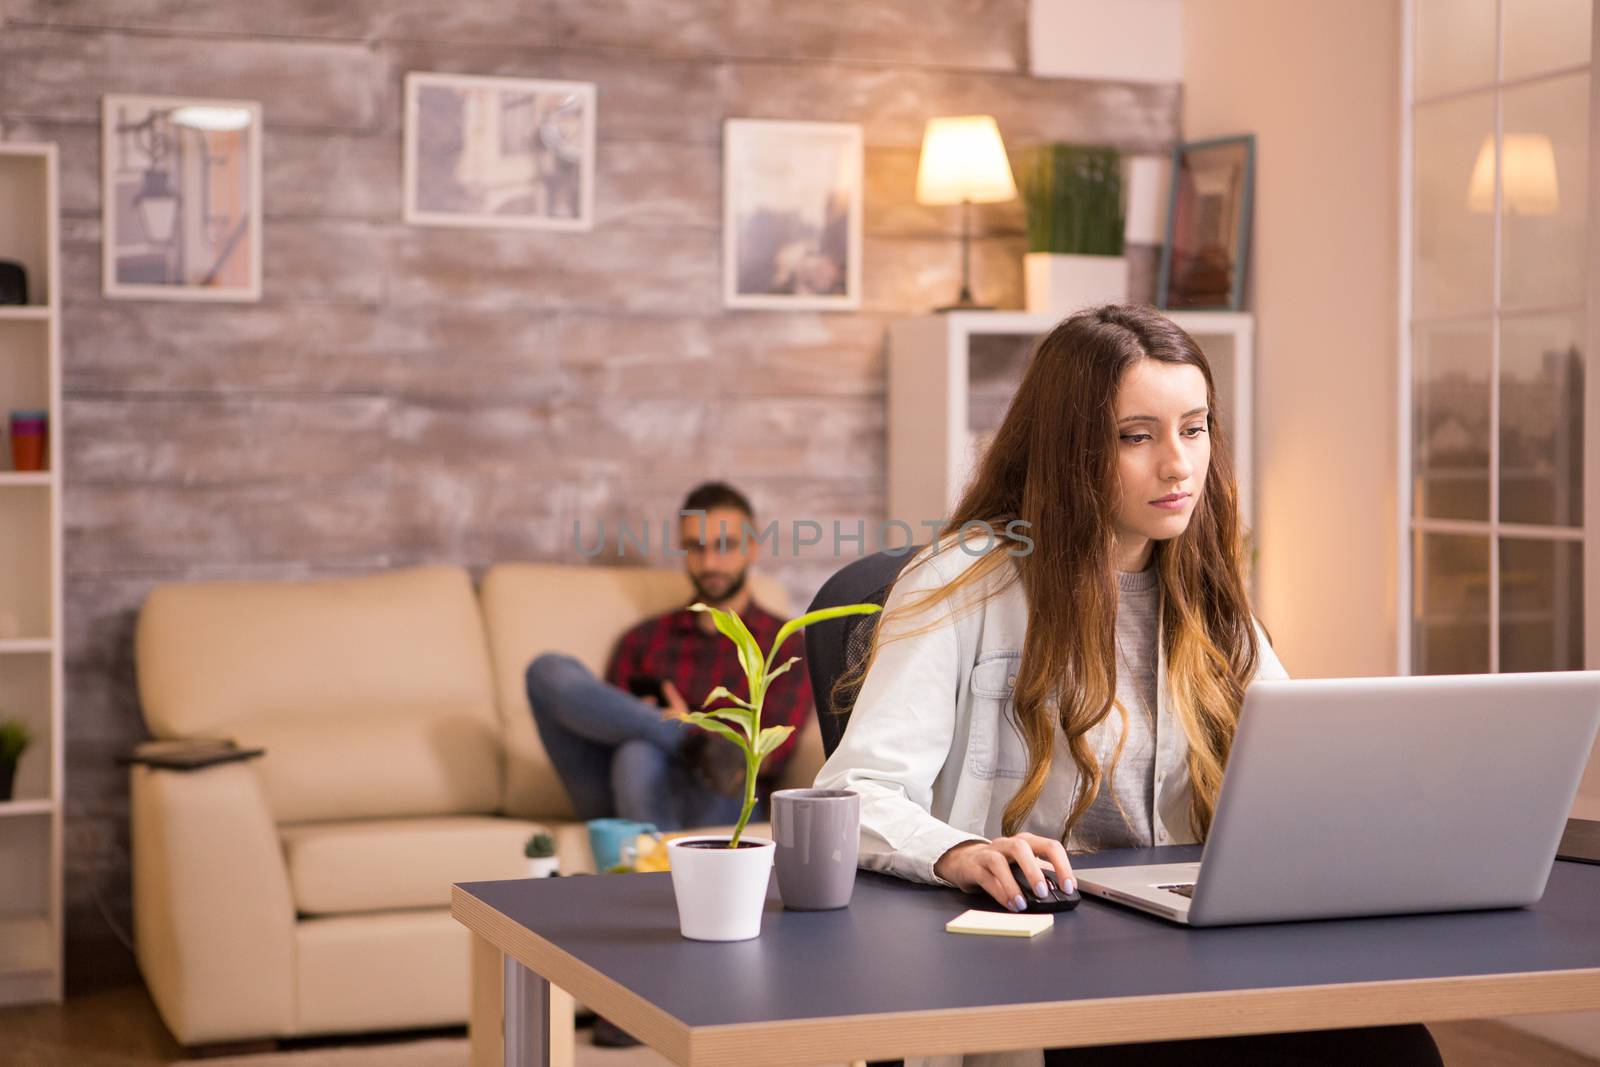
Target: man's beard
(733, 589)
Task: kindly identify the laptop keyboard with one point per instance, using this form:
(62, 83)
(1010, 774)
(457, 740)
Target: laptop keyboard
(1183, 889)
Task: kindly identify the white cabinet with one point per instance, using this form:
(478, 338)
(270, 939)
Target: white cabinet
(30, 584)
(952, 375)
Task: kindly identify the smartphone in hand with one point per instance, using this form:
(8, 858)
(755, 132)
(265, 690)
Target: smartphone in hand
(648, 687)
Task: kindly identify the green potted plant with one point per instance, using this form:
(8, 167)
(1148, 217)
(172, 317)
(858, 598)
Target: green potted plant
(1073, 197)
(540, 852)
(14, 740)
(720, 883)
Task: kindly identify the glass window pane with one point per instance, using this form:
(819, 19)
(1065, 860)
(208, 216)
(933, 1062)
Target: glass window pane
(1541, 605)
(1544, 35)
(1450, 420)
(1541, 419)
(1455, 45)
(1453, 270)
(1545, 168)
(1450, 602)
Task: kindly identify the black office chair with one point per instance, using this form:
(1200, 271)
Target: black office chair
(838, 644)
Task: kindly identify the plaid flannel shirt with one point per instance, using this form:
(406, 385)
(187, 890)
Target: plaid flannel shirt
(674, 647)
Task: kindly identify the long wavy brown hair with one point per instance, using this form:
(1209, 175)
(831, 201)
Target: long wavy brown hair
(1053, 466)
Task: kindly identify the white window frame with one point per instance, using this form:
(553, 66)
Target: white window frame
(1589, 533)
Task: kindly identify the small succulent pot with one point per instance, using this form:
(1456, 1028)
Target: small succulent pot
(721, 891)
(8, 781)
(540, 852)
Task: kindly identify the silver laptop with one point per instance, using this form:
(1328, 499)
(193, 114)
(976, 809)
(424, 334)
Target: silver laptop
(1379, 796)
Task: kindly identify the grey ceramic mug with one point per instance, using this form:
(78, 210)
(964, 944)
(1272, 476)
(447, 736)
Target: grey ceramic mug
(818, 834)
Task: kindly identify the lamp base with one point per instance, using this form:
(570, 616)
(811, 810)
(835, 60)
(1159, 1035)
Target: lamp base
(964, 301)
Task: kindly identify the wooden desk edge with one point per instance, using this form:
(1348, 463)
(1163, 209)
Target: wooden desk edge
(1062, 1024)
(1050, 1024)
(662, 1031)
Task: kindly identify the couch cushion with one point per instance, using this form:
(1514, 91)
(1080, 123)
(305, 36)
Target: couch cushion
(409, 764)
(398, 970)
(376, 688)
(339, 868)
(530, 608)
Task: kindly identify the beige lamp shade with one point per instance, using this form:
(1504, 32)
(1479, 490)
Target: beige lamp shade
(963, 159)
(1528, 171)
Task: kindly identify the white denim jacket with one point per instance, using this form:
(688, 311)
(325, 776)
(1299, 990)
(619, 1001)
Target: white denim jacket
(931, 746)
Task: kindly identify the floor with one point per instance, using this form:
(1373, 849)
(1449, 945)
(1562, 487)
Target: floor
(117, 1026)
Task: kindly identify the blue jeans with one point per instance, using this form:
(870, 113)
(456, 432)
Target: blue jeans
(615, 753)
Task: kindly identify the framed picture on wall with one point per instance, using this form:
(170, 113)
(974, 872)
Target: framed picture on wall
(791, 215)
(181, 198)
(494, 152)
(1208, 225)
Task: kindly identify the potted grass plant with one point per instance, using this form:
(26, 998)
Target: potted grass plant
(14, 740)
(720, 882)
(1073, 197)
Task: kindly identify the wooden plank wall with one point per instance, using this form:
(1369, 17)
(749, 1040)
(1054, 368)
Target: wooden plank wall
(405, 394)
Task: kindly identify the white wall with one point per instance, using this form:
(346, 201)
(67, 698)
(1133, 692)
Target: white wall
(1318, 84)
(1120, 40)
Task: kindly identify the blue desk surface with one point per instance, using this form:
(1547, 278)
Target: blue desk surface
(888, 952)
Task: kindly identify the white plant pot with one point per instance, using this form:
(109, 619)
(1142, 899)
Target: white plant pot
(721, 892)
(1059, 285)
(544, 867)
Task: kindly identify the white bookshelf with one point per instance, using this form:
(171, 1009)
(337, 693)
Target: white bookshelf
(30, 585)
(951, 376)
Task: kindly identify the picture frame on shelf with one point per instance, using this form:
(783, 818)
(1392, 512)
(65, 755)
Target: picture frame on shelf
(791, 219)
(1206, 254)
(181, 198)
(493, 152)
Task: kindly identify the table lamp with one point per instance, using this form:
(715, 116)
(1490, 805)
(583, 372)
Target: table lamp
(964, 162)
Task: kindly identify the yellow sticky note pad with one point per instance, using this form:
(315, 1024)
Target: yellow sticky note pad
(1000, 923)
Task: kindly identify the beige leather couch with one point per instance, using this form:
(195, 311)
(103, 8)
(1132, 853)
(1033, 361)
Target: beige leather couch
(307, 892)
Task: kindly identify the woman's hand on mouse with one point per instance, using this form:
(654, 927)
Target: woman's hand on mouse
(986, 866)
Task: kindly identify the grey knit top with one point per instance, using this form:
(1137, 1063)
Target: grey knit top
(1122, 815)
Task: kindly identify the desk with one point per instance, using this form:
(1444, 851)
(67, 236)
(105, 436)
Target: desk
(881, 979)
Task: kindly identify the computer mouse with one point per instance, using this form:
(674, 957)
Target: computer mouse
(1058, 900)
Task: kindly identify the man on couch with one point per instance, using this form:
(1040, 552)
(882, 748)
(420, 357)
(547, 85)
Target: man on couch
(615, 752)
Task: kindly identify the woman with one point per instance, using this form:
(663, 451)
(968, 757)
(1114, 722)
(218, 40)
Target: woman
(1066, 663)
